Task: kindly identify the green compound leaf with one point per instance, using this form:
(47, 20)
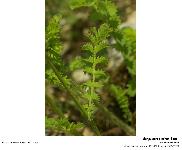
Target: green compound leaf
(98, 42)
(53, 35)
(63, 125)
(122, 100)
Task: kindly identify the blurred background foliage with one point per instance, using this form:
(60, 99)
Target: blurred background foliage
(122, 88)
(76, 23)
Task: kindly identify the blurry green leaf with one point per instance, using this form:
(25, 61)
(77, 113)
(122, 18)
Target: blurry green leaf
(77, 63)
(81, 3)
(131, 88)
(63, 124)
(122, 99)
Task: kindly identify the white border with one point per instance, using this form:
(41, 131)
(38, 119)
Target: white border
(159, 75)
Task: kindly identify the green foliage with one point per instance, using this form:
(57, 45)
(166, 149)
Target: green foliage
(108, 12)
(125, 38)
(126, 43)
(87, 95)
(52, 41)
(122, 99)
(52, 74)
(53, 50)
(104, 10)
(131, 91)
(52, 78)
(98, 42)
(63, 125)
(82, 3)
(77, 63)
(53, 34)
(56, 72)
